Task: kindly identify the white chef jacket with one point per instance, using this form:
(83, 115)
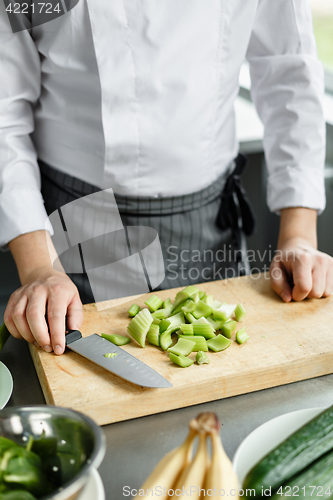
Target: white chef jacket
(138, 96)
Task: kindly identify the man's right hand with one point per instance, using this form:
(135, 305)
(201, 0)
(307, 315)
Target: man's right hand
(45, 293)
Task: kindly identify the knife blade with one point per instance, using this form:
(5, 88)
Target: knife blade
(123, 364)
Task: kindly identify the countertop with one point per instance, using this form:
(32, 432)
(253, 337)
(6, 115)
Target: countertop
(135, 446)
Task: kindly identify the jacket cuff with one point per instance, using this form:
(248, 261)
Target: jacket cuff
(21, 211)
(296, 187)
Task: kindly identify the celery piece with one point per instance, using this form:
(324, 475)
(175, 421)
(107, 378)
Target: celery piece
(153, 335)
(4, 335)
(161, 314)
(167, 304)
(175, 321)
(202, 358)
(133, 310)
(154, 303)
(180, 360)
(186, 329)
(190, 318)
(200, 342)
(183, 347)
(240, 312)
(188, 292)
(218, 343)
(202, 294)
(182, 304)
(224, 312)
(209, 300)
(202, 309)
(242, 336)
(203, 328)
(189, 306)
(116, 339)
(216, 325)
(139, 326)
(110, 355)
(165, 339)
(164, 325)
(216, 304)
(156, 321)
(228, 328)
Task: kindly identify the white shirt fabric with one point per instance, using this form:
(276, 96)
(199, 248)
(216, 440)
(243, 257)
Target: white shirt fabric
(138, 96)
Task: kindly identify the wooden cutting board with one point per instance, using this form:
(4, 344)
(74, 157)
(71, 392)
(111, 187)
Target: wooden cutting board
(288, 342)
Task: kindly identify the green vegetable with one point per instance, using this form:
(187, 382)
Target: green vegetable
(189, 306)
(183, 347)
(139, 326)
(4, 335)
(153, 335)
(216, 325)
(156, 321)
(164, 325)
(161, 314)
(209, 300)
(190, 318)
(242, 336)
(110, 354)
(186, 329)
(228, 328)
(116, 339)
(293, 455)
(202, 358)
(202, 294)
(176, 321)
(202, 309)
(16, 495)
(224, 312)
(188, 292)
(182, 361)
(218, 343)
(133, 310)
(317, 477)
(203, 328)
(240, 312)
(200, 342)
(165, 339)
(154, 303)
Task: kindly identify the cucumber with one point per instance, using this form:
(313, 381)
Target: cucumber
(4, 335)
(316, 480)
(293, 455)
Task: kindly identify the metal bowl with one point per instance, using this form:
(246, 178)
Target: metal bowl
(69, 428)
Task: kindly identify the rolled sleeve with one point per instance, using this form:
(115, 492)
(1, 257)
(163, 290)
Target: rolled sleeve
(287, 90)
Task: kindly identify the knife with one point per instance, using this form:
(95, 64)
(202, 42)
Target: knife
(123, 364)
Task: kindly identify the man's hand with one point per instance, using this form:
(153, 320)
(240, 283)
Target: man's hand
(45, 293)
(299, 270)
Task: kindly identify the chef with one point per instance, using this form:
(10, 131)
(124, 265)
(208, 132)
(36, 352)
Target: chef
(138, 96)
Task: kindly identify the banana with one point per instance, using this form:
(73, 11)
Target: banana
(167, 471)
(190, 482)
(220, 479)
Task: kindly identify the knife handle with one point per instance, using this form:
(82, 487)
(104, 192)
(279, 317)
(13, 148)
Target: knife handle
(72, 335)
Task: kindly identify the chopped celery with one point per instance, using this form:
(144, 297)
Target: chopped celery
(188, 292)
(189, 306)
(133, 310)
(139, 326)
(156, 321)
(209, 300)
(228, 328)
(203, 328)
(224, 312)
(187, 329)
(167, 304)
(200, 342)
(183, 347)
(202, 358)
(202, 309)
(110, 355)
(240, 312)
(216, 304)
(154, 303)
(190, 318)
(165, 339)
(164, 325)
(202, 294)
(182, 304)
(242, 336)
(116, 339)
(216, 325)
(161, 314)
(153, 335)
(218, 343)
(175, 321)
(182, 361)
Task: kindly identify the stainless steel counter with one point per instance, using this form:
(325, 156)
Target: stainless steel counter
(135, 446)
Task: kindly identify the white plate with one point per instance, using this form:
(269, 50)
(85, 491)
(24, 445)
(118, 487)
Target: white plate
(266, 437)
(94, 489)
(6, 385)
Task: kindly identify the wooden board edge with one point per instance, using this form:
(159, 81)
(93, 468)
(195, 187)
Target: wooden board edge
(47, 391)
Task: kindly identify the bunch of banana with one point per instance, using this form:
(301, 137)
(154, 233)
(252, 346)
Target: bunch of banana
(182, 475)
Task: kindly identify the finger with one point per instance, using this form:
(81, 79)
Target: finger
(35, 315)
(318, 279)
(302, 276)
(56, 314)
(20, 320)
(329, 283)
(8, 320)
(75, 313)
(279, 281)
